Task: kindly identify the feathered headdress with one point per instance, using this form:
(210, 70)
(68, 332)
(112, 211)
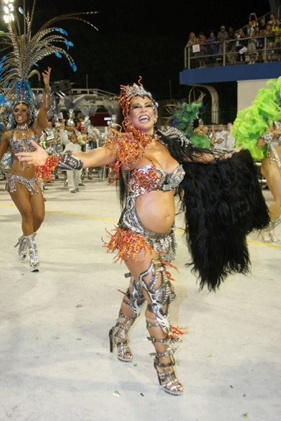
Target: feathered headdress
(251, 123)
(72, 104)
(128, 92)
(23, 49)
(184, 114)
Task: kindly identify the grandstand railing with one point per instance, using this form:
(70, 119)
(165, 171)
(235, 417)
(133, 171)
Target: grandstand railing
(266, 48)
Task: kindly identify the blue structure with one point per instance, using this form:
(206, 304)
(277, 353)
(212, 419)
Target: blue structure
(232, 73)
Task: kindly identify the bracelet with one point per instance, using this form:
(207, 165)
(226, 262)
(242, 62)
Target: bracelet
(267, 137)
(48, 90)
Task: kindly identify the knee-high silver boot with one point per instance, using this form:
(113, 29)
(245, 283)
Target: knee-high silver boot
(33, 253)
(160, 291)
(118, 334)
(22, 251)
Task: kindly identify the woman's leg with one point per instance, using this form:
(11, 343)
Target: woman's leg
(152, 282)
(21, 198)
(130, 309)
(38, 208)
(31, 208)
(272, 175)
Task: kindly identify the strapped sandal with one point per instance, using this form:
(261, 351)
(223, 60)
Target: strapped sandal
(118, 337)
(167, 377)
(165, 371)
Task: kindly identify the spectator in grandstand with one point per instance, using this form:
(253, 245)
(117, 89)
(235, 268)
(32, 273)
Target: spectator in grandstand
(231, 46)
(272, 19)
(259, 44)
(201, 42)
(192, 43)
(269, 42)
(211, 47)
(240, 45)
(276, 29)
(251, 42)
(253, 18)
(192, 39)
(222, 36)
(262, 24)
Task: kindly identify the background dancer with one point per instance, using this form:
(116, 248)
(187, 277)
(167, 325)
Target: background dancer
(22, 183)
(258, 129)
(23, 50)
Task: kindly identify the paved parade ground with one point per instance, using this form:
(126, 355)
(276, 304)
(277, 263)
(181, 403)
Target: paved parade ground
(55, 363)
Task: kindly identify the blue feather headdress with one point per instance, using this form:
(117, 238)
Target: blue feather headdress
(23, 50)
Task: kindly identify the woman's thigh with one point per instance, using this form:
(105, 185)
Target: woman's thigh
(21, 198)
(37, 204)
(272, 175)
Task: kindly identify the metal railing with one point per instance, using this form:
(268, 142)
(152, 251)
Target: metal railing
(237, 51)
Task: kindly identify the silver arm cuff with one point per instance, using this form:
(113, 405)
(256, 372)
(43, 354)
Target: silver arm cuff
(267, 136)
(70, 162)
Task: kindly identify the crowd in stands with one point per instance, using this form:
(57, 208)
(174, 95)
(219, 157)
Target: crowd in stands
(258, 41)
(218, 135)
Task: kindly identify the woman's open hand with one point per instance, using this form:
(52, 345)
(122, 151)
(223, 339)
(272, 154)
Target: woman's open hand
(46, 77)
(36, 158)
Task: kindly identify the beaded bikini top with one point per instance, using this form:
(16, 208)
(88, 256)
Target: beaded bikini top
(150, 178)
(22, 145)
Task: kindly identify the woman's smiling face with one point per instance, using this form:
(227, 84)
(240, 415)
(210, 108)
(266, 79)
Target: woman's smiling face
(21, 113)
(142, 114)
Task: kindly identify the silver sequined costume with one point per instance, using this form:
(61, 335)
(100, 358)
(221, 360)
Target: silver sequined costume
(17, 146)
(130, 221)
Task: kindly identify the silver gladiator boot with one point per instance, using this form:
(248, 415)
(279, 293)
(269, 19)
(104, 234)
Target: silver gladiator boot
(33, 253)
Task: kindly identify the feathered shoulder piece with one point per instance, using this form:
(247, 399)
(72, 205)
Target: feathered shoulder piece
(183, 116)
(253, 121)
(129, 148)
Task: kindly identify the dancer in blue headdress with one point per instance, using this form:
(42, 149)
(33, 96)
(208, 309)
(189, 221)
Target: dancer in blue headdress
(17, 66)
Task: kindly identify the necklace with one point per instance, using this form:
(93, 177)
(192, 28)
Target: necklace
(23, 128)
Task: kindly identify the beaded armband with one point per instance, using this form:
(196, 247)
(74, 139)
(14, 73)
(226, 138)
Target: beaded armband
(69, 162)
(44, 172)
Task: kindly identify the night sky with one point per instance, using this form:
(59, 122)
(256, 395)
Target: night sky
(133, 39)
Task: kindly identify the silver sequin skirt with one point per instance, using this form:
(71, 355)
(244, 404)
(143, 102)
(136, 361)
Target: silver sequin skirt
(29, 183)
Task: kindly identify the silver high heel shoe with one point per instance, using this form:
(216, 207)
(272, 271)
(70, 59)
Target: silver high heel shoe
(22, 251)
(265, 236)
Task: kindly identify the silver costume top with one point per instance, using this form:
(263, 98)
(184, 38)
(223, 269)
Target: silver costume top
(150, 178)
(22, 145)
(143, 180)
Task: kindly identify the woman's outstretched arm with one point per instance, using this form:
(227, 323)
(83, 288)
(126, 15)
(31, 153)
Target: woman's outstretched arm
(41, 120)
(94, 158)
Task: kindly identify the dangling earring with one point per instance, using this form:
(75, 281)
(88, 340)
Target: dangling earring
(30, 119)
